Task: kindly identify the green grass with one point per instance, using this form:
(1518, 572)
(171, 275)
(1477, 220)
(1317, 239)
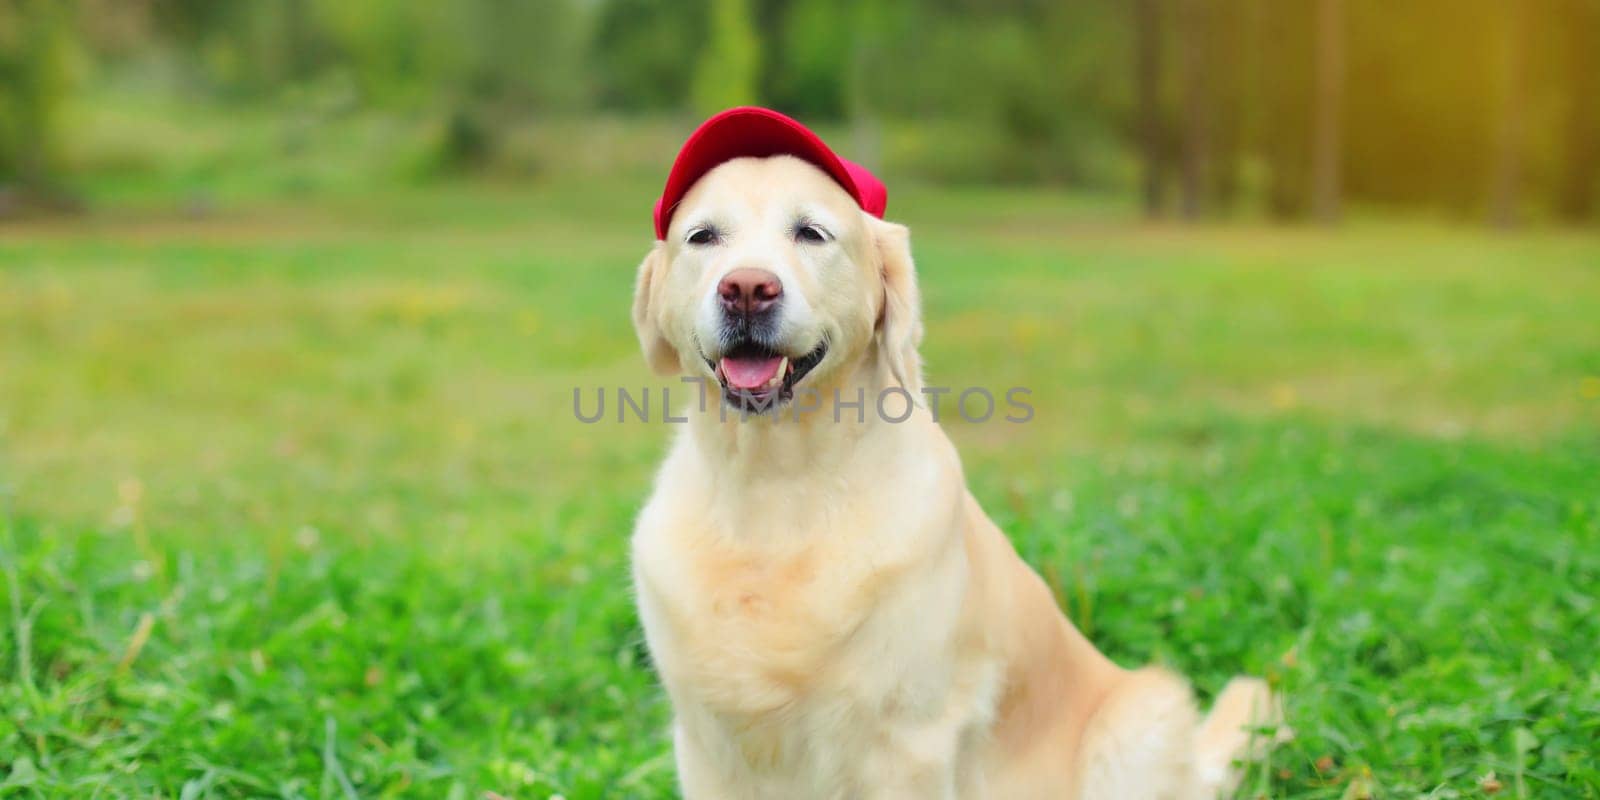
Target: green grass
(295, 504)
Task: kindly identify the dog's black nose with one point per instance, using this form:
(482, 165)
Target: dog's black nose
(749, 291)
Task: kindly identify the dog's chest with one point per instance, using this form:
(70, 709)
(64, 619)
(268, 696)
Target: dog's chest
(747, 632)
(808, 639)
(809, 671)
(747, 626)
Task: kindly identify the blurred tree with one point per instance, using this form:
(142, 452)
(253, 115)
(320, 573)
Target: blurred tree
(35, 80)
(1193, 20)
(484, 66)
(191, 22)
(1506, 178)
(1230, 98)
(874, 23)
(1326, 149)
(525, 55)
(1038, 85)
(1148, 18)
(241, 50)
(639, 52)
(114, 30)
(1228, 102)
(1421, 130)
(1285, 131)
(726, 73)
(1581, 134)
(807, 71)
(394, 52)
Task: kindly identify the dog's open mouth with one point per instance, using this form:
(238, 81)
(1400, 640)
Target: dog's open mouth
(757, 378)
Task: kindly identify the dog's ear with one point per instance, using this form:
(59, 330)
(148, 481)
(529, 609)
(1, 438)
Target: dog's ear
(658, 352)
(899, 327)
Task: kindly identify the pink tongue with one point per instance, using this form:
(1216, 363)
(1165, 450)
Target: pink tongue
(750, 373)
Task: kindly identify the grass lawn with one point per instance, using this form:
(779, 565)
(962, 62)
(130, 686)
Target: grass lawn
(295, 505)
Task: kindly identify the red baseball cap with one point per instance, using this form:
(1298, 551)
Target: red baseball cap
(760, 132)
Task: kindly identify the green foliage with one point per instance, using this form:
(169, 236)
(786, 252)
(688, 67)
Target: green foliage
(643, 52)
(396, 53)
(808, 71)
(727, 71)
(499, 38)
(35, 78)
(1040, 92)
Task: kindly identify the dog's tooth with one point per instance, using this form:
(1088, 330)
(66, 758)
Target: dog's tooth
(783, 372)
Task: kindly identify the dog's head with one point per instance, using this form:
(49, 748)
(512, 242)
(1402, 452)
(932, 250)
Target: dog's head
(770, 277)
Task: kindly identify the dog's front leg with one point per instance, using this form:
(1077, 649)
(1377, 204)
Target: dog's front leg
(698, 774)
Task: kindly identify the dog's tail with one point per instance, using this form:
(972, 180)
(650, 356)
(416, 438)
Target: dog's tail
(1245, 723)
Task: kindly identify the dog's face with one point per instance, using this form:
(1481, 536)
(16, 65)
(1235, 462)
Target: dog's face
(770, 279)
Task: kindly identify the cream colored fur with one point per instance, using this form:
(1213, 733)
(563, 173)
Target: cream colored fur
(831, 613)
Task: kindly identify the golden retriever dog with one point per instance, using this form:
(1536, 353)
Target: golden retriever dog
(830, 611)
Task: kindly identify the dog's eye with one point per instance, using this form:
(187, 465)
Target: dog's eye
(810, 234)
(702, 236)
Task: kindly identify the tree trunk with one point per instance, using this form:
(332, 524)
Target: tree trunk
(1196, 108)
(1227, 43)
(1506, 179)
(1284, 121)
(1147, 70)
(1582, 163)
(1327, 146)
(866, 130)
